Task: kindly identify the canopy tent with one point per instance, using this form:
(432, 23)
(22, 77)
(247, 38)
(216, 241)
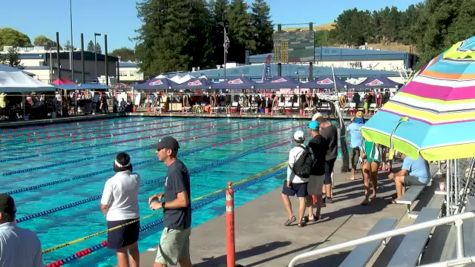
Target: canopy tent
(82, 86)
(376, 82)
(156, 84)
(14, 80)
(179, 79)
(235, 84)
(63, 81)
(194, 84)
(434, 114)
(325, 82)
(278, 82)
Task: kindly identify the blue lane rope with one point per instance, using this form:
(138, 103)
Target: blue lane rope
(91, 174)
(153, 181)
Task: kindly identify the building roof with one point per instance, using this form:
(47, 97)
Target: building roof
(291, 70)
(327, 53)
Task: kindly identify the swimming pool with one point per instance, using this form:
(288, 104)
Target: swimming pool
(56, 173)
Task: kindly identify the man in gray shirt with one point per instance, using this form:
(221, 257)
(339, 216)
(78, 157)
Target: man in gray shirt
(176, 204)
(18, 247)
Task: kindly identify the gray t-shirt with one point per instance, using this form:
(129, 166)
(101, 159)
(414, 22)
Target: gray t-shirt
(177, 180)
(330, 134)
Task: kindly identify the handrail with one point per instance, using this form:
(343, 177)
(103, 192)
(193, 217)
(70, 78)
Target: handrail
(458, 219)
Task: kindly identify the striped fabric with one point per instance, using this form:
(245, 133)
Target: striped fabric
(440, 105)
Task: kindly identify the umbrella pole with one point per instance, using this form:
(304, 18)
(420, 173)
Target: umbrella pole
(345, 166)
(456, 185)
(447, 207)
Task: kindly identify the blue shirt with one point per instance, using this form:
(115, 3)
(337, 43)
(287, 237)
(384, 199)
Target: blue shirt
(19, 247)
(418, 168)
(355, 134)
(177, 180)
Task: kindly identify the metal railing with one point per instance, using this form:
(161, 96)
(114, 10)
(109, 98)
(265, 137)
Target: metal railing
(458, 219)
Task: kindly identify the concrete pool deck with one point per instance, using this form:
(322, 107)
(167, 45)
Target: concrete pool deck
(263, 240)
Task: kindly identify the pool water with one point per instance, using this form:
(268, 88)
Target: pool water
(56, 173)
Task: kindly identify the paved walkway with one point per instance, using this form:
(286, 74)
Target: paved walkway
(263, 240)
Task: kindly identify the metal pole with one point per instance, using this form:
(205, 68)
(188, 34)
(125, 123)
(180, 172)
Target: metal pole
(58, 55)
(447, 189)
(83, 75)
(71, 50)
(225, 46)
(460, 248)
(106, 61)
(95, 54)
(456, 185)
(50, 66)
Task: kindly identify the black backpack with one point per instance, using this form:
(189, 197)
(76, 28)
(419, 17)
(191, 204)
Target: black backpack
(304, 164)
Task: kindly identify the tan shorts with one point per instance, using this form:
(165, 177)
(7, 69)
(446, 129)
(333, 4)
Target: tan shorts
(315, 183)
(174, 246)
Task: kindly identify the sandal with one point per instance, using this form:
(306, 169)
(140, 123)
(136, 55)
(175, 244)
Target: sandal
(302, 223)
(364, 202)
(314, 218)
(290, 221)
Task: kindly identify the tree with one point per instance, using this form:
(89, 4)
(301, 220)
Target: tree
(11, 58)
(322, 38)
(11, 37)
(240, 31)
(124, 53)
(174, 35)
(98, 48)
(42, 40)
(67, 46)
(262, 25)
(90, 46)
(353, 27)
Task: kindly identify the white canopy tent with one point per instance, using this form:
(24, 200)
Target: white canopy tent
(13, 80)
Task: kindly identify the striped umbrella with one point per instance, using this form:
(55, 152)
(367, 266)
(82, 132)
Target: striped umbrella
(434, 114)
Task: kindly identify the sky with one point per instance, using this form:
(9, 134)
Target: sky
(118, 18)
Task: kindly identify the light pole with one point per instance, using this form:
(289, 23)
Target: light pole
(71, 52)
(95, 54)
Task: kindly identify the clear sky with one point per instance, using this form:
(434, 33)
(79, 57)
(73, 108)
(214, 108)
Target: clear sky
(118, 18)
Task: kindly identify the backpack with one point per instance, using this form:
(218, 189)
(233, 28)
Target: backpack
(304, 164)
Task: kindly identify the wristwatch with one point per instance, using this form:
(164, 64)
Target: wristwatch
(163, 205)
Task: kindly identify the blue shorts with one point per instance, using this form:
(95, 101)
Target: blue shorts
(122, 236)
(300, 189)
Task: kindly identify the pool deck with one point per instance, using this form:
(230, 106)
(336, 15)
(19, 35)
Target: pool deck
(263, 240)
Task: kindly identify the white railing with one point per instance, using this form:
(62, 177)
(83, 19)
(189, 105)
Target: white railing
(458, 219)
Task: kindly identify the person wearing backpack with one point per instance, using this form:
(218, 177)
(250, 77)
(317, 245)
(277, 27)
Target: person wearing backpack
(317, 174)
(294, 184)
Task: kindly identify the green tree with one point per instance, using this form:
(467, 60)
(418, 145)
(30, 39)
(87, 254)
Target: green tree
(322, 38)
(174, 35)
(464, 25)
(42, 40)
(240, 31)
(433, 28)
(11, 58)
(90, 46)
(98, 48)
(125, 54)
(67, 45)
(353, 27)
(262, 25)
(11, 37)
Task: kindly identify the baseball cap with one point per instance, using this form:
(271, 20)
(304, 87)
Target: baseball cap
(7, 204)
(168, 142)
(316, 116)
(299, 136)
(314, 125)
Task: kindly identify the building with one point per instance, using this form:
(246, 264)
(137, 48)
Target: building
(44, 64)
(129, 72)
(366, 58)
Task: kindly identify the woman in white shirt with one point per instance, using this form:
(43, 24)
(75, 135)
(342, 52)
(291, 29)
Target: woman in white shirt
(295, 185)
(119, 204)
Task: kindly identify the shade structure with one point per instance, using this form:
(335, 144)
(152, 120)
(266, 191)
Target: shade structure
(235, 84)
(434, 114)
(377, 82)
(278, 82)
(62, 81)
(156, 84)
(15, 80)
(325, 82)
(193, 84)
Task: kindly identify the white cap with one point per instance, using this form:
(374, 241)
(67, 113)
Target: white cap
(316, 116)
(299, 136)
